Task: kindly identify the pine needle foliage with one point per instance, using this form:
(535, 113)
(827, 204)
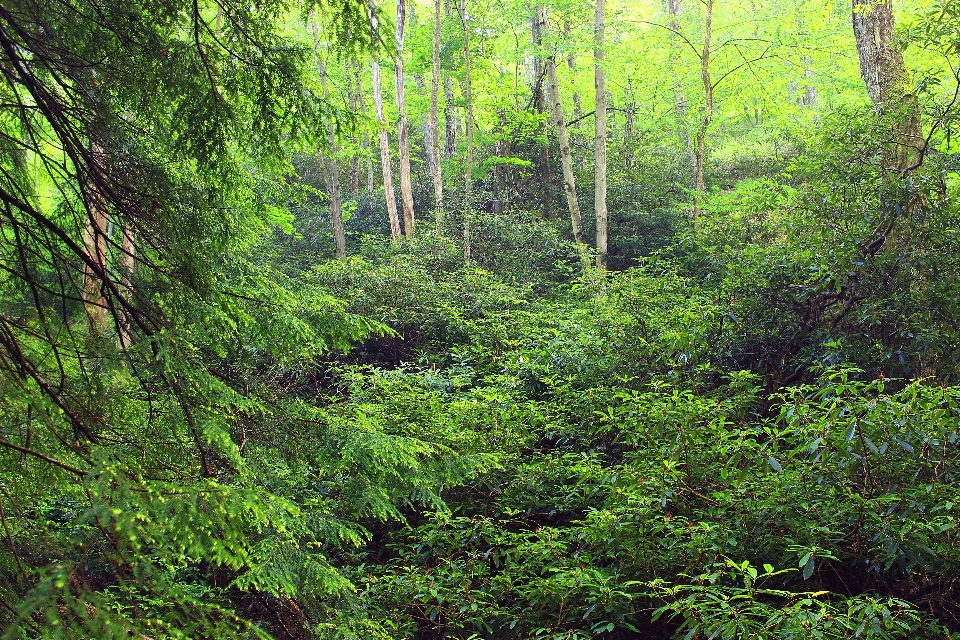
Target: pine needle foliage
(168, 470)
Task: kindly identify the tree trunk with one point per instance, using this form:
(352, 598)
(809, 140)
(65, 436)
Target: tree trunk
(127, 263)
(331, 176)
(578, 140)
(544, 173)
(569, 184)
(700, 155)
(810, 98)
(389, 193)
(406, 188)
(888, 82)
(95, 245)
(628, 129)
(468, 99)
(450, 118)
(366, 137)
(435, 119)
(675, 9)
(600, 140)
(352, 90)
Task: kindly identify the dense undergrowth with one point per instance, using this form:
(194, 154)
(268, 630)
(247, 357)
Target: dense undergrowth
(749, 434)
(748, 429)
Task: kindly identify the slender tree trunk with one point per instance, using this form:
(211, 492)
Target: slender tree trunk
(127, 264)
(810, 97)
(388, 191)
(435, 120)
(328, 162)
(331, 176)
(406, 188)
(600, 141)
(569, 184)
(628, 129)
(95, 245)
(366, 137)
(450, 118)
(468, 99)
(354, 104)
(577, 139)
(545, 177)
(674, 8)
(701, 151)
(427, 129)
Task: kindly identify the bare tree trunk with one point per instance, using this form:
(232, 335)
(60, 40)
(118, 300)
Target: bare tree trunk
(95, 245)
(578, 140)
(600, 141)
(569, 184)
(127, 262)
(810, 97)
(328, 163)
(450, 118)
(366, 137)
(406, 188)
(331, 175)
(388, 191)
(675, 9)
(468, 99)
(354, 104)
(435, 119)
(628, 129)
(888, 81)
(701, 151)
(545, 176)
(865, 28)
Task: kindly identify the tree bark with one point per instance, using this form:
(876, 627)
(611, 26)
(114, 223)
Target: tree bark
(544, 173)
(810, 98)
(127, 264)
(600, 140)
(701, 151)
(569, 183)
(352, 90)
(450, 118)
(366, 137)
(888, 82)
(388, 191)
(468, 99)
(331, 175)
(435, 120)
(628, 129)
(95, 245)
(406, 188)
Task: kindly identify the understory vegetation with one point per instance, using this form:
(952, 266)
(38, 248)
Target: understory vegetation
(237, 402)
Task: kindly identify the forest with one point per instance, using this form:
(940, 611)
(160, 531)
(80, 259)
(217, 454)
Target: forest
(479, 319)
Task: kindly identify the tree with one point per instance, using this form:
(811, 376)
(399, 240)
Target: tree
(600, 138)
(468, 100)
(434, 150)
(888, 82)
(331, 170)
(544, 170)
(569, 183)
(406, 189)
(388, 191)
(167, 125)
(706, 116)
